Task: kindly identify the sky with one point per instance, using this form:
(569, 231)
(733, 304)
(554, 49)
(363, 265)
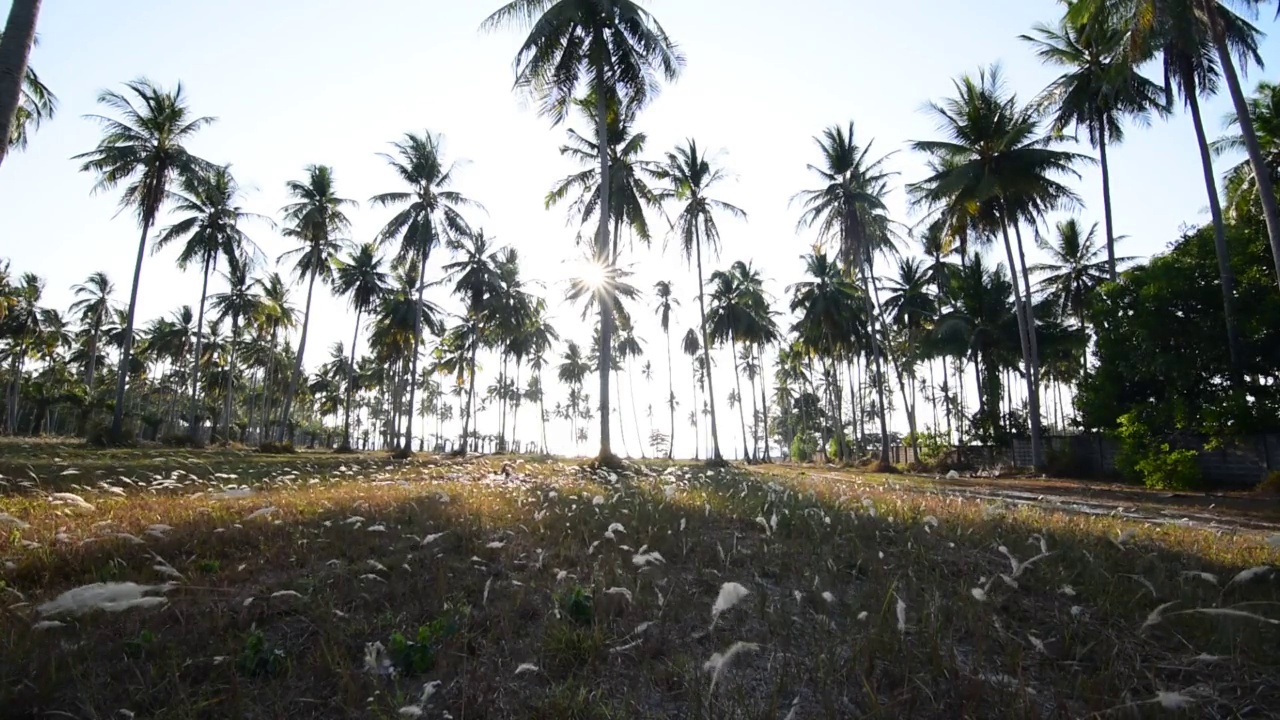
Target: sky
(293, 83)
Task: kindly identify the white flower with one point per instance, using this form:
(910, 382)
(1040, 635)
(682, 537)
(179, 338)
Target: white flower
(719, 662)
(619, 591)
(731, 593)
(978, 594)
(526, 667)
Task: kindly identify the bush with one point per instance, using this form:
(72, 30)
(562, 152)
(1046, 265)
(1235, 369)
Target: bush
(1270, 485)
(1154, 463)
(276, 448)
(418, 656)
(180, 440)
(803, 446)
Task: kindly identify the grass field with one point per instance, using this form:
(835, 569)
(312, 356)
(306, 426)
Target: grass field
(354, 586)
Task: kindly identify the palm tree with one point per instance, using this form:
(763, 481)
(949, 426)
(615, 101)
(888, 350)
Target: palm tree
(275, 314)
(432, 217)
(315, 219)
(910, 307)
(999, 164)
(738, 313)
(15, 47)
(689, 175)
(618, 50)
(478, 284)
(360, 278)
(690, 345)
(37, 106)
(239, 301)
(630, 194)
(1099, 89)
(144, 148)
(1074, 270)
(1241, 192)
(849, 209)
(211, 230)
(572, 371)
(93, 308)
(666, 302)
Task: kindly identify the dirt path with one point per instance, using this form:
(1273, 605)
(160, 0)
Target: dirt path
(1224, 511)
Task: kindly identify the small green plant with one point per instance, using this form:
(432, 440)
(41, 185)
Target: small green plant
(577, 604)
(208, 566)
(257, 658)
(137, 647)
(418, 656)
(803, 446)
(568, 647)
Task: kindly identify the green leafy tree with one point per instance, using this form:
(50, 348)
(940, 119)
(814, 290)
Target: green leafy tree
(93, 306)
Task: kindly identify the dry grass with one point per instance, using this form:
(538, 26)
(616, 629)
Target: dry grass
(861, 595)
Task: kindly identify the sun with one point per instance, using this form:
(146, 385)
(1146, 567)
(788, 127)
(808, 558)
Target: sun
(593, 274)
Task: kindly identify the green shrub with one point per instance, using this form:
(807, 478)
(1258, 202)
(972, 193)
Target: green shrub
(270, 447)
(1270, 485)
(257, 658)
(803, 446)
(1154, 463)
(577, 604)
(180, 440)
(418, 656)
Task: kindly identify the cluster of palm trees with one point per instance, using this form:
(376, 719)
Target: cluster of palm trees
(998, 169)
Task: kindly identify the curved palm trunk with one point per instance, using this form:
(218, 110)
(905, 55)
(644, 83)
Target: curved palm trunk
(1020, 307)
(193, 427)
(1033, 390)
(286, 410)
(15, 48)
(351, 381)
(706, 351)
(1219, 234)
(622, 425)
(126, 346)
(671, 398)
(737, 380)
(1106, 199)
(92, 364)
(1261, 173)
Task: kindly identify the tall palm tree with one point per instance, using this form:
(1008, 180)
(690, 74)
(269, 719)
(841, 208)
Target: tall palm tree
(690, 175)
(1074, 270)
(910, 308)
(432, 217)
(616, 49)
(691, 346)
(630, 195)
(666, 303)
(1099, 89)
(999, 164)
(15, 47)
(144, 148)
(478, 283)
(850, 210)
(211, 230)
(360, 278)
(275, 315)
(738, 311)
(1241, 192)
(315, 219)
(239, 301)
(93, 308)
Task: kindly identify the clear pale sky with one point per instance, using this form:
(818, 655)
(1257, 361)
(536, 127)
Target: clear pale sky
(332, 82)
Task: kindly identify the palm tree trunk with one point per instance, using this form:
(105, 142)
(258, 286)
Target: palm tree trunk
(1033, 389)
(737, 381)
(126, 345)
(755, 411)
(1261, 173)
(602, 249)
(92, 364)
(1037, 459)
(872, 318)
(287, 409)
(694, 366)
(471, 392)
(231, 374)
(15, 48)
(407, 450)
(351, 381)
(635, 419)
(764, 406)
(671, 397)
(1106, 198)
(1219, 233)
(193, 428)
(706, 351)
